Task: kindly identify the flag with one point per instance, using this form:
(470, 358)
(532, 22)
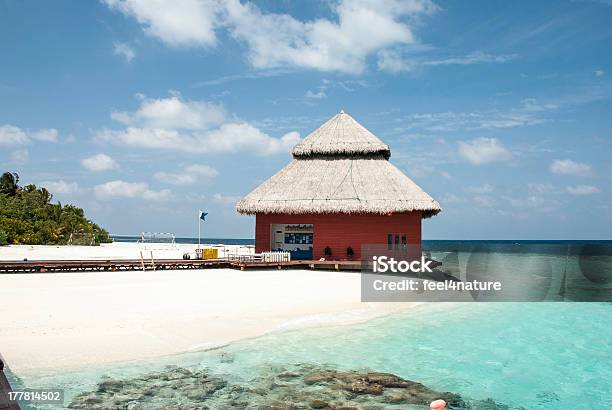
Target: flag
(203, 215)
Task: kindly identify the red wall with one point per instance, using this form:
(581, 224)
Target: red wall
(339, 231)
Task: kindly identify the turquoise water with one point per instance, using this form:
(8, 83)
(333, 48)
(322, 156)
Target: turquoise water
(530, 355)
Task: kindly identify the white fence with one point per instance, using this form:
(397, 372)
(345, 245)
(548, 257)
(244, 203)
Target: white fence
(275, 256)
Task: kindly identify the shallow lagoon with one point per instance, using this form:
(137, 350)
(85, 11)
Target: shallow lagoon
(531, 355)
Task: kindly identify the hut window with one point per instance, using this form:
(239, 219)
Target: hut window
(390, 242)
(404, 245)
(397, 241)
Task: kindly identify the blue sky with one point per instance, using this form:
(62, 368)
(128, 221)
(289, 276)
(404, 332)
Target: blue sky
(141, 112)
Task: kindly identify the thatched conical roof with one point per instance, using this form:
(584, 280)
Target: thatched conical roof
(339, 168)
(341, 135)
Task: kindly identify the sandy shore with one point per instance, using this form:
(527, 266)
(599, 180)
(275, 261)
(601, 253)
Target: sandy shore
(116, 250)
(71, 320)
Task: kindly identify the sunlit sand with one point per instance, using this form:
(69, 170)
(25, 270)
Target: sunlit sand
(72, 320)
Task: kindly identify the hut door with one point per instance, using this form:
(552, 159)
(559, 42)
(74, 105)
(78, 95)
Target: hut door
(294, 238)
(278, 238)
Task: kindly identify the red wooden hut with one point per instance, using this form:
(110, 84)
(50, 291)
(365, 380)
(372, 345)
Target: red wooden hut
(339, 193)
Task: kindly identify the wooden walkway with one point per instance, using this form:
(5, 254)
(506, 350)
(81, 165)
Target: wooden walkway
(298, 264)
(242, 263)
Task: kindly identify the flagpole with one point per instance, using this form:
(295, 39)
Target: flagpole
(199, 227)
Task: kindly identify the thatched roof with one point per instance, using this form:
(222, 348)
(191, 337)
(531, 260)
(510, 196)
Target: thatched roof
(329, 174)
(340, 135)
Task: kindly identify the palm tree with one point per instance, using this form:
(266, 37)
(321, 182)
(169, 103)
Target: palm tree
(45, 195)
(8, 183)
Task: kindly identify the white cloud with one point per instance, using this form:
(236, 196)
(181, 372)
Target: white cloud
(244, 137)
(48, 135)
(225, 199)
(599, 73)
(472, 58)
(484, 201)
(345, 86)
(203, 170)
(583, 190)
(12, 136)
(393, 61)
(188, 175)
(242, 76)
(189, 23)
(477, 120)
(228, 138)
(123, 189)
(543, 204)
(124, 50)
(533, 200)
(192, 126)
(482, 189)
(340, 43)
(20, 156)
(541, 188)
(146, 138)
(482, 151)
(316, 95)
(99, 162)
(450, 198)
(569, 167)
(531, 104)
(420, 168)
(175, 178)
(60, 187)
(173, 112)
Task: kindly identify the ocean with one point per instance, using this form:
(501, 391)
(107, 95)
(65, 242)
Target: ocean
(224, 241)
(438, 245)
(548, 355)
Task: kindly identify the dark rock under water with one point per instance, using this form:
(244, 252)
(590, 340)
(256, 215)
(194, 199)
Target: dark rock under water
(276, 388)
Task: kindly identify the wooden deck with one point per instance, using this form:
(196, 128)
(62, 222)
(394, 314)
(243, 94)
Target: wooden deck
(299, 264)
(242, 263)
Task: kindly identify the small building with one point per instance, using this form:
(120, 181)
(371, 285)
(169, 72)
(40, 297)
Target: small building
(338, 193)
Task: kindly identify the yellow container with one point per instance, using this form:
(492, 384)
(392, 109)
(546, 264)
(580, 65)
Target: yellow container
(210, 253)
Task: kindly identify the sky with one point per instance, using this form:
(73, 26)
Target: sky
(142, 112)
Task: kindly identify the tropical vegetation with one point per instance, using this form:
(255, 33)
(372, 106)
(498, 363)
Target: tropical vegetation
(27, 216)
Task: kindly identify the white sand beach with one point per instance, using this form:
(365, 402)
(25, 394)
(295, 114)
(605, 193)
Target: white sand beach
(115, 250)
(72, 320)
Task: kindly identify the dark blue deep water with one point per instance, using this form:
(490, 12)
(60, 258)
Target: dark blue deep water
(554, 247)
